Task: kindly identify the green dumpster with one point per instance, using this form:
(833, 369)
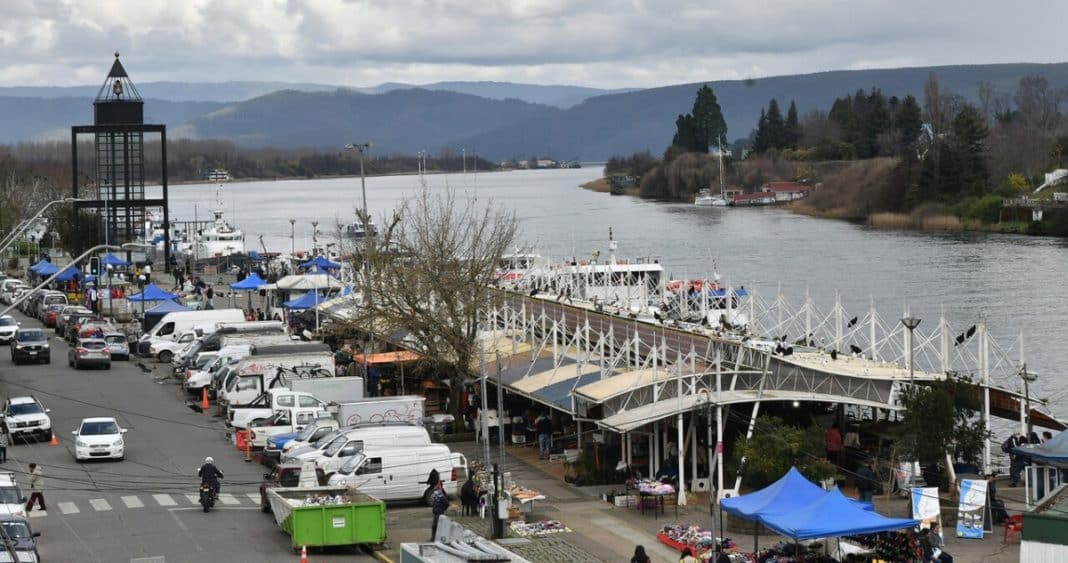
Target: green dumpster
(322, 516)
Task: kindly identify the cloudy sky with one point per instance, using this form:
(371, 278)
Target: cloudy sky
(607, 43)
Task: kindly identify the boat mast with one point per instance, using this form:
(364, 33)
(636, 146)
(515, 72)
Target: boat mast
(722, 186)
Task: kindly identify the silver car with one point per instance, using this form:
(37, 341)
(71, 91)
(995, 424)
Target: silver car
(89, 351)
(119, 346)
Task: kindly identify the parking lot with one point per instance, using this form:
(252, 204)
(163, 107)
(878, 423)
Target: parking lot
(144, 507)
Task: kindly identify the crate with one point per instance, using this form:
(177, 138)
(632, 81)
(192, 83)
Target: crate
(626, 500)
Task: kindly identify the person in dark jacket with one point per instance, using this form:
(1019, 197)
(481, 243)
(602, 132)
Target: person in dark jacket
(208, 472)
(439, 503)
(469, 498)
(544, 428)
(639, 555)
(865, 479)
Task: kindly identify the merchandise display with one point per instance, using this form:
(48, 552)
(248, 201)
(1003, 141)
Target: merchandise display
(700, 540)
(536, 529)
(653, 488)
(891, 546)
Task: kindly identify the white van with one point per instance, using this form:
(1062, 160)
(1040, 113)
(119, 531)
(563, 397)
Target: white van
(401, 473)
(196, 380)
(180, 321)
(337, 453)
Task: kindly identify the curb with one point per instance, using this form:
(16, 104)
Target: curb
(380, 556)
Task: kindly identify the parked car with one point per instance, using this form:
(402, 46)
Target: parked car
(8, 288)
(23, 538)
(118, 345)
(48, 298)
(12, 501)
(30, 344)
(99, 438)
(284, 475)
(52, 314)
(8, 327)
(64, 317)
(26, 417)
(89, 352)
(74, 325)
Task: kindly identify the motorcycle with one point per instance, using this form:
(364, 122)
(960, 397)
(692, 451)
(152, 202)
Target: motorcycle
(208, 496)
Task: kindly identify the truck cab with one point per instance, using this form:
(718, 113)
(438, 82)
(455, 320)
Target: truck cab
(284, 475)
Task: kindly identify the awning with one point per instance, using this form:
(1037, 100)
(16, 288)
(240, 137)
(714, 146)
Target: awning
(110, 259)
(396, 357)
(1053, 452)
(832, 516)
(251, 282)
(151, 292)
(791, 492)
(604, 389)
(532, 383)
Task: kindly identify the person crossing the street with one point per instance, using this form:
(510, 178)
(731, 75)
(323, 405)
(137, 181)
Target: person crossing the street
(36, 487)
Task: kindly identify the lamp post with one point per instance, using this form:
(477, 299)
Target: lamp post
(141, 283)
(1027, 378)
(911, 323)
(111, 299)
(292, 237)
(315, 237)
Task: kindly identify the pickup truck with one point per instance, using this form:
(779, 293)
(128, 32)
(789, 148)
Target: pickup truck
(284, 420)
(312, 433)
(165, 348)
(262, 371)
(267, 404)
(284, 475)
(199, 378)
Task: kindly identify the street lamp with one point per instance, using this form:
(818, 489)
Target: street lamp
(367, 235)
(315, 237)
(292, 239)
(10, 237)
(911, 323)
(1028, 377)
(111, 298)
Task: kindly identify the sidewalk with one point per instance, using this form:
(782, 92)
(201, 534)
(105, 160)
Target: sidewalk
(603, 532)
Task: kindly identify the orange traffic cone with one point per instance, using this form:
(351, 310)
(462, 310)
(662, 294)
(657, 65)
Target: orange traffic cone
(204, 399)
(304, 554)
(54, 441)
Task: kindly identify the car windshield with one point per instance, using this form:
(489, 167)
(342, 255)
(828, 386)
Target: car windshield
(350, 465)
(204, 360)
(306, 433)
(93, 344)
(25, 408)
(115, 339)
(10, 495)
(30, 335)
(16, 530)
(54, 299)
(7, 321)
(99, 428)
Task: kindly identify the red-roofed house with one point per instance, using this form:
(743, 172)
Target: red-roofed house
(732, 192)
(786, 191)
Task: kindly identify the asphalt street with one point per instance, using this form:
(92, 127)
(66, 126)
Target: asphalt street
(143, 509)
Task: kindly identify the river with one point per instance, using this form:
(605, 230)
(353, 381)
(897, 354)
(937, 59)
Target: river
(1017, 283)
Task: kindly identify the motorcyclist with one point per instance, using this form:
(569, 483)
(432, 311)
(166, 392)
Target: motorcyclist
(210, 474)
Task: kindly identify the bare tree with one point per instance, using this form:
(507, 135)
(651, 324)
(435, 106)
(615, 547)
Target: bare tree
(1039, 105)
(432, 274)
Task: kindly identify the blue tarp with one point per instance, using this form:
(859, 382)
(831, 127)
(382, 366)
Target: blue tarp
(38, 265)
(68, 273)
(168, 307)
(46, 269)
(306, 301)
(558, 394)
(151, 293)
(791, 492)
(251, 282)
(321, 263)
(1053, 452)
(113, 261)
(834, 515)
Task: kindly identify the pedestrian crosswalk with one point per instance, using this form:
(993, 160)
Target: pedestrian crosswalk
(133, 502)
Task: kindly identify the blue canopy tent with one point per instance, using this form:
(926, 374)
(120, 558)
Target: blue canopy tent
(38, 265)
(46, 269)
(153, 315)
(306, 301)
(321, 263)
(151, 293)
(1054, 452)
(110, 259)
(69, 273)
(251, 283)
(791, 492)
(834, 515)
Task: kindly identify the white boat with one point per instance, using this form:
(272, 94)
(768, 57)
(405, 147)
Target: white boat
(219, 239)
(154, 231)
(707, 198)
(355, 230)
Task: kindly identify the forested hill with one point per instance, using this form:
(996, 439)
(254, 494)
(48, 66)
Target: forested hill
(409, 120)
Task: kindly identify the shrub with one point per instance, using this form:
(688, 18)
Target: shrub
(776, 446)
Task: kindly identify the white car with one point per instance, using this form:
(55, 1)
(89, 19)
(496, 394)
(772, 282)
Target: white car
(26, 417)
(8, 326)
(11, 499)
(99, 438)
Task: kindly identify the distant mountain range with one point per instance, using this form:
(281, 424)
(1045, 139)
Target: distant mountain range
(497, 120)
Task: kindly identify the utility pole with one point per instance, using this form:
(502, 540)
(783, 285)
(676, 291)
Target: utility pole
(367, 236)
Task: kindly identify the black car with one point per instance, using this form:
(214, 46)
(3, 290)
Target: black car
(22, 536)
(30, 344)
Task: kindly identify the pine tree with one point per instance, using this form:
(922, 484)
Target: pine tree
(709, 126)
(793, 127)
(685, 134)
(776, 129)
(908, 122)
(760, 138)
(968, 147)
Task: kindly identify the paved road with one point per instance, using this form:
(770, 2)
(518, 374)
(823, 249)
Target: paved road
(138, 510)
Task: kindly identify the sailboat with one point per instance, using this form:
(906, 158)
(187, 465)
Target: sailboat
(705, 197)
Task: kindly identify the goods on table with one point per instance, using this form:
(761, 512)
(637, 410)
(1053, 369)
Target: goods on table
(679, 536)
(536, 529)
(891, 546)
(523, 495)
(655, 488)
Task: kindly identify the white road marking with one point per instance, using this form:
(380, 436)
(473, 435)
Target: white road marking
(195, 499)
(38, 514)
(100, 504)
(164, 500)
(227, 498)
(254, 497)
(67, 508)
(132, 502)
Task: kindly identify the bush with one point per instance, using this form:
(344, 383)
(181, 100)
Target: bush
(776, 446)
(985, 209)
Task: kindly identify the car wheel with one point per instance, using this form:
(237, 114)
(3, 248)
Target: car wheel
(165, 356)
(107, 365)
(48, 359)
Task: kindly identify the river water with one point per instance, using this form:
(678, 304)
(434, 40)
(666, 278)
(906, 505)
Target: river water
(1016, 283)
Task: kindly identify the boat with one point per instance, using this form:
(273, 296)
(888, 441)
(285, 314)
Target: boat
(220, 238)
(705, 197)
(355, 230)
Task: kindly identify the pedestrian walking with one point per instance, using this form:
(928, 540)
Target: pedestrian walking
(469, 498)
(209, 294)
(865, 481)
(36, 487)
(833, 443)
(639, 555)
(544, 427)
(439, 503)
(4, 441)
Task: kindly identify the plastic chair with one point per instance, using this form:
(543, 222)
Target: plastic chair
(1013, 527)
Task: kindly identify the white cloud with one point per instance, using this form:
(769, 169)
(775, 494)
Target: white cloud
(608, 43)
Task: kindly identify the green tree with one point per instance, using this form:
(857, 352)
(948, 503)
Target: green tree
(793, 127)
(908, 122)
(776, 446)
(967, 145)
(941, 419)
(686, 135)
(708, 123)
(760, 136)
(776, 126)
